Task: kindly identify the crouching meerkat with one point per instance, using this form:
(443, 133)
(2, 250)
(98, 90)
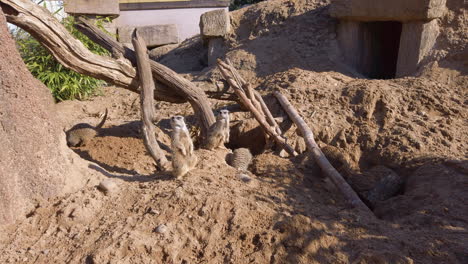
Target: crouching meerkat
(218, 134)
(183, 158)
(81, 134)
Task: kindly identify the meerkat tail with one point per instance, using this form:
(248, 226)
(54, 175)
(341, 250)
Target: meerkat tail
(103, 120)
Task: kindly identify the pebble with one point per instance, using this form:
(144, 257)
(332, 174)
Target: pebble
(108, 186)
(161, 229)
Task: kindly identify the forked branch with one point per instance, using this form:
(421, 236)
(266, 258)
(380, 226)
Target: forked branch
(147, 102)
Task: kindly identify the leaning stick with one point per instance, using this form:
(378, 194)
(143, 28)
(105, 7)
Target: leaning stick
(271, 120)
(147, 102)
(233, 77)
(319, 157)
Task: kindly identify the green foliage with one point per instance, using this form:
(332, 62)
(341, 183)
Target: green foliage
(236, 4)
(64, 83)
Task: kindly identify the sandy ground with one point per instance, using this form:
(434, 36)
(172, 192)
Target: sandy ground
(289, 212)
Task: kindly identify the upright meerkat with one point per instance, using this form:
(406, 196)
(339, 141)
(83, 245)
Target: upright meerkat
(218, 134)
(81, 134)
(183, 158)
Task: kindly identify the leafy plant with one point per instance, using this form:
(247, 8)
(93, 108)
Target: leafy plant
(65, 84)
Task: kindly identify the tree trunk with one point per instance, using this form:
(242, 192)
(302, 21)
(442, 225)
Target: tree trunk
(35, 162)
(147, 103)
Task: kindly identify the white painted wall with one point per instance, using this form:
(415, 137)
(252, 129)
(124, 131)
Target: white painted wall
(186, 19)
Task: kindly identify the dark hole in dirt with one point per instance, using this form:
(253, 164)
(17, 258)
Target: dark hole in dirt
(380, 42)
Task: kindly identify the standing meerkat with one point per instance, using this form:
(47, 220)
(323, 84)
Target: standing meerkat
(81, 134)
(183, 158)
(218, 134)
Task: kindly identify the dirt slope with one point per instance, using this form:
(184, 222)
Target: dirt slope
(288, 213)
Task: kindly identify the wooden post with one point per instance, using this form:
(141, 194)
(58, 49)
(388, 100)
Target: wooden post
(147, 102)
(322, 161)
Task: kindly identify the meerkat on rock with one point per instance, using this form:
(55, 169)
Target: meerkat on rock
(183, 158)
(81, 134)
(218, 133)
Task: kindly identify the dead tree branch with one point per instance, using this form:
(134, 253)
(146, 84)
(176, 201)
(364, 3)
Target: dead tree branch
(147, 103)
(69, 51)
(239, 86)
(319, 157)
(161, 73)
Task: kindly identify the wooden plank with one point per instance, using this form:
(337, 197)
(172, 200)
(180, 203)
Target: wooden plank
(174, 4)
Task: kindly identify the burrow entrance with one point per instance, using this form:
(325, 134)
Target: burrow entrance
(379, 46)
(371, 47)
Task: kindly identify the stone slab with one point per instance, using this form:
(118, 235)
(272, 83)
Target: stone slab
(417, 40)
(154, 36)
(92, 7)
(385, 10)
(215, 23)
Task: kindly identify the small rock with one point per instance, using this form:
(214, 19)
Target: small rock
(244, 177)
(108, 186)
(283, 153)
(161, 229)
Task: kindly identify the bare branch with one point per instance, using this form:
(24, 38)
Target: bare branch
(147, 103)
(319, 157)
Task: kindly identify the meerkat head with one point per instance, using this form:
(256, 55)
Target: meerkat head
(223, 114)
(177, 122)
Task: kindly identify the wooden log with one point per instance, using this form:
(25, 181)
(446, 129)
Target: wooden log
(163, 74)
(147, 103)
(271, 120)
(350, 195)
(236, 86)
(69, 51)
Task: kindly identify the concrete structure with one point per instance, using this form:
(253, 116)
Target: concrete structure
(184, 15)
(154, 36)
(386, 39)
(214, 27)
(92, 7)
(215, 23)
